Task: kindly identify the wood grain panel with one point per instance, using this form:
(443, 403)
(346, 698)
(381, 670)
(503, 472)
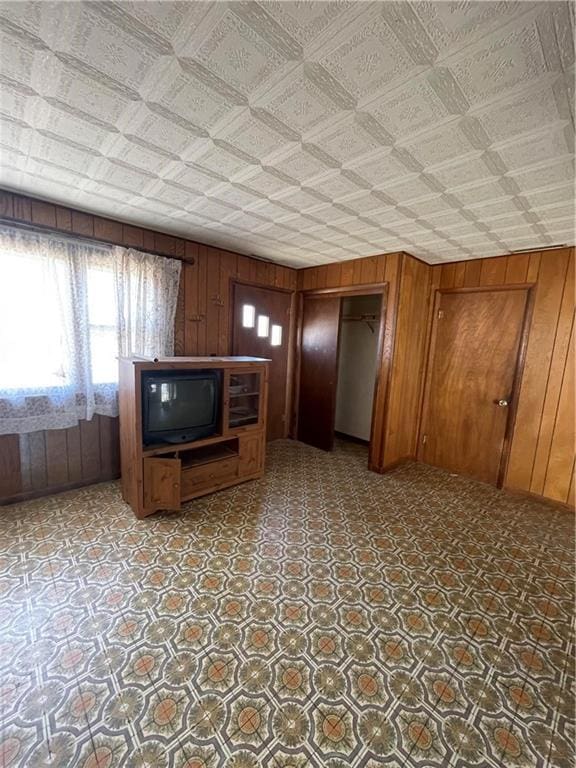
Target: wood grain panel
(542, 445)
(10, 477)
(384, 268)
(406, 382)
(89, 452)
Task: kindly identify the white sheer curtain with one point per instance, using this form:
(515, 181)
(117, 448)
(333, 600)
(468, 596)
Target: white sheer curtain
(68, 310)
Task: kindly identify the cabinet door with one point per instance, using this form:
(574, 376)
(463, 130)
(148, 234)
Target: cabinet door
(161, 483)
(250, 455)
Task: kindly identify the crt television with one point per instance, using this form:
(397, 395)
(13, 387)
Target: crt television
(180, 406)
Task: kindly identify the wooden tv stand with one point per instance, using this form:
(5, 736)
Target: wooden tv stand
(162, 476)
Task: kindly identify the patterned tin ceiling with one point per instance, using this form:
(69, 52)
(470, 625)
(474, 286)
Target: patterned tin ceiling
(303, 132)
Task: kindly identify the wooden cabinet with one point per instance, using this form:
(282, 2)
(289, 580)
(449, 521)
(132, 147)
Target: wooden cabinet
(162, 476)
(161, 483)
(250, 454)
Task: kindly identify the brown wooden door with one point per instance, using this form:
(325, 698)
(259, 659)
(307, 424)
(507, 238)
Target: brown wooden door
(245, 341)
(474, 357)
(318, 370)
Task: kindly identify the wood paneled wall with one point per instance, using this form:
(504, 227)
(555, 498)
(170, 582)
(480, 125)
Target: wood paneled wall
(407, 377)
(397, 408)
(542, 450)
(88, 453)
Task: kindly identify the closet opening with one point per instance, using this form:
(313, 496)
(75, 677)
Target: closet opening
(341, 338)
(357, 367)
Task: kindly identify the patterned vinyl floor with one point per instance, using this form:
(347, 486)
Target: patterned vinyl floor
(323, 616)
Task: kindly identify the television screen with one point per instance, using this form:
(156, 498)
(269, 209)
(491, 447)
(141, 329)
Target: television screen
(180, 407)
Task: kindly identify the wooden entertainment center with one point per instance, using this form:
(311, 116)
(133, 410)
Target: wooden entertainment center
(163, 475)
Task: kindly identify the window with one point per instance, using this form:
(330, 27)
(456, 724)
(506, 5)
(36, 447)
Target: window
(248, 316)
(263, 326)
(276, 336)
(68, 310)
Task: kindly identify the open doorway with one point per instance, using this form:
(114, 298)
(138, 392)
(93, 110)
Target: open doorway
(340, 358)
(357, 366)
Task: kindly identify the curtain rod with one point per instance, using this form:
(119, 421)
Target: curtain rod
(82, 239)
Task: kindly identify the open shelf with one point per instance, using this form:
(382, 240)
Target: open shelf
(209, 453)
(163, 448)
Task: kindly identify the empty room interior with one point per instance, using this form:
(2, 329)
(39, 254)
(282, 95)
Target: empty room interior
(287, 429)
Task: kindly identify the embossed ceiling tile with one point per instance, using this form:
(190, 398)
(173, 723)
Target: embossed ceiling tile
(550, 196)
(235, 195)
(194, 178)
(549, 144)
(16, 58)
(331, 214)
(305, 21)
(488, 210)
(157, 131)
(300, 199)
(439, 144)
(62, 153)
(532, 107)
(262, 181)
(478, 193)
(161, 17)
(510, 58)
(73, 127)
(122, 148)
(367, 56)
(235, 51)
(300, 164)
(448, 218)
(215, 210)
(122, 175)
(299, 102)
(506, 223)
(89, 32)
(346, 142)
(412, 107)
(455, 174)
(251, 135)
(364, 203)
(220, 161)
(544, 175)
(453, 24)
(380, 169)
(180, 91)
(174, 195)
(410, 188)
(16, 102)
(16, 136)
(80, 92)
(558, 211)
(333, 185)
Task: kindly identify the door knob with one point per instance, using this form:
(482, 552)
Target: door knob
(501, 403)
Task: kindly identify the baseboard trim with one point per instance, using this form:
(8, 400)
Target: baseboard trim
(352, 438)
(537, 497)
(54, 490)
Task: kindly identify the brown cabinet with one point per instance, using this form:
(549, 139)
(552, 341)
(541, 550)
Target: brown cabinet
(163, 475)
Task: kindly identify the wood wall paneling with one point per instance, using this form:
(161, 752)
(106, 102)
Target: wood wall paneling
(542, 446)
(407, 377)
(90, 452)
(541, 456)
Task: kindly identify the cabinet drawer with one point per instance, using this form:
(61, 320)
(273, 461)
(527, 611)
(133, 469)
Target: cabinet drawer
(203, 476)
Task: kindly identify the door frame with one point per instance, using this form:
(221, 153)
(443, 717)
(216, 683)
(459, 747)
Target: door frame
(291, 335)
(529, 289)
(380, 386)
